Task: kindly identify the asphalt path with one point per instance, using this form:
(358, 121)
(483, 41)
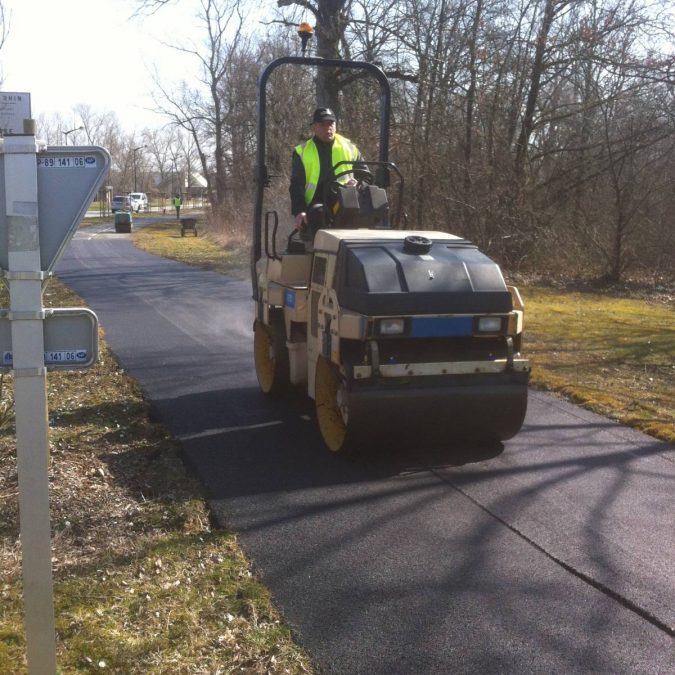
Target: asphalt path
(551, 553)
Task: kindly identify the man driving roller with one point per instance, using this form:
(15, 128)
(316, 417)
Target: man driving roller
(313, 162)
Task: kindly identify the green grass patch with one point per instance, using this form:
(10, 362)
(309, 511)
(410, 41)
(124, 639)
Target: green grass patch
(615, 356)
(142, 583)
(190, 605)
(165, 239)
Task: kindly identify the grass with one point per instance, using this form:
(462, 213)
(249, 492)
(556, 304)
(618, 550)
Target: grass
(142, 583)
(88, 221)
(165, 239)
(615, 356)
(157, 589)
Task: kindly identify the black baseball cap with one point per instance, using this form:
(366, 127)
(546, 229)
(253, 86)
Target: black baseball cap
(323, 115)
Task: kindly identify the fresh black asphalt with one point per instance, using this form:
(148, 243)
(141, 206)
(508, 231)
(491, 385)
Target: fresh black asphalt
(553, 553)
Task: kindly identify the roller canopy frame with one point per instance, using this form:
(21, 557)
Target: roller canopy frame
(262, 177)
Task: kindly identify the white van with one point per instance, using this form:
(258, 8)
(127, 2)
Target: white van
(139, 201)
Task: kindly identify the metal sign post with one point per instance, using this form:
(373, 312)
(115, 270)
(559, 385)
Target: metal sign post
(44, 193)
(30, 381)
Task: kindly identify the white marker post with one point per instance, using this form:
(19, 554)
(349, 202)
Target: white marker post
(58, 185)
(30, 379)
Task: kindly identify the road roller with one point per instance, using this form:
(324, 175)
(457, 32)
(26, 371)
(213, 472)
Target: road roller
(400, 335)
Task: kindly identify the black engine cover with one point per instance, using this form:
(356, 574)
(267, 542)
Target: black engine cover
(379, 278)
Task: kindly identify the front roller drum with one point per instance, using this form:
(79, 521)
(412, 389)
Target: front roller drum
(333, 412)
(271, 355)
(346, 421)
(356, 416)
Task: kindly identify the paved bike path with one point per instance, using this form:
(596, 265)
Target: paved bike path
(551, 554)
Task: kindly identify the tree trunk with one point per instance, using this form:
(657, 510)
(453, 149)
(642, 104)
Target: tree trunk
(470, 102)
(331, 20)
(538, 67)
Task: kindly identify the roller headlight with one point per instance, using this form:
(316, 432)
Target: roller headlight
(489, 324)
(391, 326)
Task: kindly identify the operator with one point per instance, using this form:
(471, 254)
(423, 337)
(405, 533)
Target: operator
(177, 203)
(313, 161)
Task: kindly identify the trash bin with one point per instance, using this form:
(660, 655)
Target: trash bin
(188, 224)
(123, 221)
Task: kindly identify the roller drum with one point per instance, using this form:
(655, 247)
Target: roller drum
(430, 412)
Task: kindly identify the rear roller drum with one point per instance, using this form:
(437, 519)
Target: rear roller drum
(332, 408)
(271, 355)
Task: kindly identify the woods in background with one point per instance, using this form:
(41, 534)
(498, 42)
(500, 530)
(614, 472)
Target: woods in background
(543, 130)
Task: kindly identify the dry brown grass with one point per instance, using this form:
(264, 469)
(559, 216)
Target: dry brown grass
(143, 584)
(217, 251)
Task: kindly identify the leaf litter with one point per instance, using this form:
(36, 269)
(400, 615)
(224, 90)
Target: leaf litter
(142, 582)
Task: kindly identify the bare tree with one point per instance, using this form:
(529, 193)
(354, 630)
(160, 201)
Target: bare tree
(158, 145)
(550, 10)
(100, 128)
(472, 50)
(201, 110)
(541, 128)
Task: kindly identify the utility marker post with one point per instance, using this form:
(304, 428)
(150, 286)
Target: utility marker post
(30, 380)
(44, 194)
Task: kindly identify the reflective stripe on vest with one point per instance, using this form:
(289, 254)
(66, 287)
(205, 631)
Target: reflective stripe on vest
(343, 150)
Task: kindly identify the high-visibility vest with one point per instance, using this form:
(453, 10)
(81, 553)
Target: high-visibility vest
(177, 201)
(343, 150)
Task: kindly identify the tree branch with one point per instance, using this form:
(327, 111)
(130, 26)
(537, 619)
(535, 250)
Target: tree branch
(300, 3)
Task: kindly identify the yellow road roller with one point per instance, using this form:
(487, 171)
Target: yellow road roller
(400, 336)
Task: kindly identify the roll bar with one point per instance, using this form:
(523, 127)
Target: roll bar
(262, 177)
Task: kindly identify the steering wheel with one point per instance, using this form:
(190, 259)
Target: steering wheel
(363, 176)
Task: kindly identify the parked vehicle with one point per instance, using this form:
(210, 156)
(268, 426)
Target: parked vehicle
(139, 201)
(120, 203)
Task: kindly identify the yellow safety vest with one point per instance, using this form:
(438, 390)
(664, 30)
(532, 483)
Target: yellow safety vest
(343, 150)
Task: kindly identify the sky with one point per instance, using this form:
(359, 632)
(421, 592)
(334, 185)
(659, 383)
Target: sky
(66, 52)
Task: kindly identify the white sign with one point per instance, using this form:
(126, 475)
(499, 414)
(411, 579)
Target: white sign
(74, 356)
(67, 180)
(14, 109)
(83, 161)
(70, 339)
